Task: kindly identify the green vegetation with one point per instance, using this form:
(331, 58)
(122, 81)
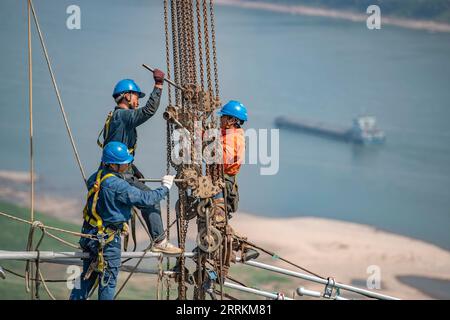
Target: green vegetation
(436, 10)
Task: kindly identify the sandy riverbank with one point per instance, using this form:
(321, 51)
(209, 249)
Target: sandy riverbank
(339, 249)
(336, 14)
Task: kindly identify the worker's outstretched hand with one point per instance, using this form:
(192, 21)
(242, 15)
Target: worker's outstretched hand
(167, 181)
(158, 75)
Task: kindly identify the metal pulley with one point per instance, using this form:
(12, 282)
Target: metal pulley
(203, 206)
(209, 242)
(171, 115)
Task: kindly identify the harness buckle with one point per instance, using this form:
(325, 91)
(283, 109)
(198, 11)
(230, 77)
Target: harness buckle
(101, 237)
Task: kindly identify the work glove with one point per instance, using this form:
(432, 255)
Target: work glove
(158, 76)
(167, 181)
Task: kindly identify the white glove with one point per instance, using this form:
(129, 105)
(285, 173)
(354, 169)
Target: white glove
(167, 181)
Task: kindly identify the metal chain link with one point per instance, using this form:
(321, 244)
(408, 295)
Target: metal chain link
(207, 52)
(213, 38)
(175, 51)
(185, 58)
(200, 49)
(192, 42)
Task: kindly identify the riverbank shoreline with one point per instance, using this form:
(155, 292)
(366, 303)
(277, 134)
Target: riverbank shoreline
(415, 24)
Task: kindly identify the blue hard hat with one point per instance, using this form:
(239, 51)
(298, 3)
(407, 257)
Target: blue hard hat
(234, 109)
(117, 153)
(127, 85)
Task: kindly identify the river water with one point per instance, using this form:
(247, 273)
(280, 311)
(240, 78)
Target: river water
(276, 64)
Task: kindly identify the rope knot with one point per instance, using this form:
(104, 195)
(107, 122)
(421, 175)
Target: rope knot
(38, 224)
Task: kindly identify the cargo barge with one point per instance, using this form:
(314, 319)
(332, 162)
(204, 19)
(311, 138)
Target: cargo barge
(364, 129)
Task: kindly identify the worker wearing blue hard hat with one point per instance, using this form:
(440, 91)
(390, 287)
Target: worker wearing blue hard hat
(121, 125)
(107, 210)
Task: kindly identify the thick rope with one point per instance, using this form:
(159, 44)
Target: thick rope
(142, 257)
(28, 270)
(57, 92)
(34, 279)
(44, 283)
(48, 227)
(30, 101)
(132, 271)
(62, 240)
(30, 107)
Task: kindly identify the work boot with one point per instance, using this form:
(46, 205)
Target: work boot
(166, 247)
(249, 254)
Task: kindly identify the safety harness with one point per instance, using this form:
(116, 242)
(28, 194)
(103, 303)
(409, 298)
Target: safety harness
(105, 130)
(104, 235)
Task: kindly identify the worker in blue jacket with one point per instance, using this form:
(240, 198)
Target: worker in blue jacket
(108, 208)
(121, 125)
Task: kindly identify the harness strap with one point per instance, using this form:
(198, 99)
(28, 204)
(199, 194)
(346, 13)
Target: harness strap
(96, 220)
(105, 130)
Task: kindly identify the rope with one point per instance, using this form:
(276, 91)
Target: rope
(48, 227)
(30, 95)
(61, 106)
(30, 106)
(274, 255)
(34, 279)
(132, 271)
(62, 240)
(238, 282)
(226, 295)
(45, 286)
(28, 269)
(142, 257)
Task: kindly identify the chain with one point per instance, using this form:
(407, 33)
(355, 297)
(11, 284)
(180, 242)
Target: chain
(200, 49)
(192, 42)
(181, 50)
(175, 50)
(213, 37)
(168, 140)
(186, 51)
(166, 34)
(207, 52)
(184, 24)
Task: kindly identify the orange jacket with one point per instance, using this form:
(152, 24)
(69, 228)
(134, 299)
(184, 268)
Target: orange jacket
(233, 143)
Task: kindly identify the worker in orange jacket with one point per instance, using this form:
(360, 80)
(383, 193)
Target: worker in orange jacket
(232, 117)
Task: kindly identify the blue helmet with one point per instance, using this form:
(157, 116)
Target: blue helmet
(117, 153)
(234, 109)
(127, 85)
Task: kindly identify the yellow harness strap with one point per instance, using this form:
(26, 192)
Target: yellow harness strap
(96, 220)
(105, 129)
